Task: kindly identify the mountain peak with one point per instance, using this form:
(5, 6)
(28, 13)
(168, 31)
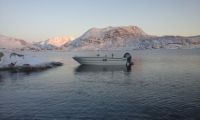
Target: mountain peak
(122, 30)
(59, 41)
(54, 42)
(109, 35)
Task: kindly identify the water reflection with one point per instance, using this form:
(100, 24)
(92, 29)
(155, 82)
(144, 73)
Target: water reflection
(16, 75)
(1, 77)
(99, 68)
(12, 75)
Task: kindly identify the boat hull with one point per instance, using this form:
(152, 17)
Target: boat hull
(100, 61)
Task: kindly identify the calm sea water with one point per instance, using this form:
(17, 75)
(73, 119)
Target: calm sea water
(161, 85)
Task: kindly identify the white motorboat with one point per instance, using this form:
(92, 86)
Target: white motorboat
(104, 60)
(100, 60)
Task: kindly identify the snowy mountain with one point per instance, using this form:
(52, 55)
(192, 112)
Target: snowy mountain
(14, 43)
(50, 44)
(54, 43)
(59, 41)
(109, 38)
(44, 45)
(129, 38)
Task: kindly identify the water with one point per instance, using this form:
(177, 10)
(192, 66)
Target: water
(161, 85)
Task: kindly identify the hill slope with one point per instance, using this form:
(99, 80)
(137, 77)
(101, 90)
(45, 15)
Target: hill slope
(54, 43)
(129, 37)
(14, 43)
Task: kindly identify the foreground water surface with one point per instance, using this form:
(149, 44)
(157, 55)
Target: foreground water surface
(163, 84)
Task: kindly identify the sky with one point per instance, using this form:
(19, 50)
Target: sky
(36, 20)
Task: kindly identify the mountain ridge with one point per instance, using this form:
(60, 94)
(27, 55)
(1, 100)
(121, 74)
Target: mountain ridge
(13, 43)
(108, 38)
(54, 43)
(104, 35)
(129, 37)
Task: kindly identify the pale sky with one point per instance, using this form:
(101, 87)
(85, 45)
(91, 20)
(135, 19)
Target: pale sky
(37, 20)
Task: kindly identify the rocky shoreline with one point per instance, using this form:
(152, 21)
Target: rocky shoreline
(29, 68)
(18, 62)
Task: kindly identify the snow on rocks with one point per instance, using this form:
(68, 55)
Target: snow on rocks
(16, 61)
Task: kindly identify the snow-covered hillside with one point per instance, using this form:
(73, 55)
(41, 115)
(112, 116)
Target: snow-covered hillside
(59, 41)
(44, 45)
(54, 43)
(50, 44)
(109, 38)
(129, 38)
(14, 43)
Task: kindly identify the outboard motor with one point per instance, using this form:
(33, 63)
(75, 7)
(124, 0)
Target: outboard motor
(129, 62)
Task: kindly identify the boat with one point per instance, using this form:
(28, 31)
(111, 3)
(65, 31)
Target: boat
(100, 60)
(104, 60)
